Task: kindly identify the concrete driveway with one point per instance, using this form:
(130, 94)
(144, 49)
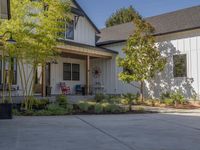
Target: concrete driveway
(106, 132)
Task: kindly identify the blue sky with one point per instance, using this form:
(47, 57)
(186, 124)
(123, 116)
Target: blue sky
(100, 10)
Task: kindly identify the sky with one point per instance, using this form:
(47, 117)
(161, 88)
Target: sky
(100, 10)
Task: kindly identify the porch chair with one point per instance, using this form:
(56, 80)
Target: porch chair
(78, 89)
(64, 88)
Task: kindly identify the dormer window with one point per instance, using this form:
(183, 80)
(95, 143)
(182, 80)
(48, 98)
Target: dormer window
(70, 30)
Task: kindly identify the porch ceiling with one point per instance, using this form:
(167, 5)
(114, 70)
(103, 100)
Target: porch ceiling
(85, 50)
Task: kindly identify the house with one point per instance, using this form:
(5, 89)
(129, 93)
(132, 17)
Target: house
(88, 56)
(178, 38)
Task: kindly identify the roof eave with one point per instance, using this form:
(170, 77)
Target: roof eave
(94, 26)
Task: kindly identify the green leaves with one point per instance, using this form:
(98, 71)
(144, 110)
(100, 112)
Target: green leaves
(35, 29)
(122, 15)
(141, 55)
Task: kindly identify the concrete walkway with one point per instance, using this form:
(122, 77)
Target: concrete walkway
(103, 132)
(167, 110)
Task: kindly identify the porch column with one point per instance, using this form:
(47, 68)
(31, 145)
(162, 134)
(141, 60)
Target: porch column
(88, 75)
(43, 81)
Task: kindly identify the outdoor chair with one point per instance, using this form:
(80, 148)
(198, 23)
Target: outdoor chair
(64, 88)
(78, 89)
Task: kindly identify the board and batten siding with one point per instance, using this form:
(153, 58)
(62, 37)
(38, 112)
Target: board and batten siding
(57, 74)
(121, 87)
(188, 43)
(107, 77)
(84, 32)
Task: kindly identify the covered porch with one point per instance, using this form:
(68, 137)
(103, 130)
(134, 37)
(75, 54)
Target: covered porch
(82, 69)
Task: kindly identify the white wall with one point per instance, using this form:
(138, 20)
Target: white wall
(57, 74)
(107, 77)
(84, 32)
(188, 43)
(121, 87)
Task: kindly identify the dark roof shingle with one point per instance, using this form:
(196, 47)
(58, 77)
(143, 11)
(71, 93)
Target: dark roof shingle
(181, 20)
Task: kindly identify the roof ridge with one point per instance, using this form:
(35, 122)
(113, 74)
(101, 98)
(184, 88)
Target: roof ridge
(172, 12)
(150, 17)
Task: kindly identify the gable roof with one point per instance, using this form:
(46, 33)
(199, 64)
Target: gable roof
(177, 21)
(83, 12)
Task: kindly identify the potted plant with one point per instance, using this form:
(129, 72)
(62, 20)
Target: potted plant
(6, 110)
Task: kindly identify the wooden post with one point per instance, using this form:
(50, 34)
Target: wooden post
(88, 75)
(43, 81)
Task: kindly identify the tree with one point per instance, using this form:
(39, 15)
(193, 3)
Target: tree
(35, 26)
(122, 15)
(142, 59)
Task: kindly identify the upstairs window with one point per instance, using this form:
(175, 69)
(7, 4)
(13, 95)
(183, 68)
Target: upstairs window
(180, 65)
(70, 30)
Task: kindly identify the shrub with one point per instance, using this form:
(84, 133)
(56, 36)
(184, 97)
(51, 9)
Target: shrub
(130, 99)
(113, 108)
(62, 101)
(98, 108)
(84, 106)
(168, 101)
(55, 109)
(165, 95)
(40, 104)
(99, 97)
(178, 98)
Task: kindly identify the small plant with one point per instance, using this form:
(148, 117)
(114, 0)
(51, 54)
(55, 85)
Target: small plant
(113, 108)
(62, 101)
(99, 97)
(130, 99)
(178, 98)
(39, 104)
(84, 106)
(98, 108)
(168, 101)
(55, 109)
(165, 95)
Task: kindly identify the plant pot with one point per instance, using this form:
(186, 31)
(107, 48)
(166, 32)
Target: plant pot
(5, 111)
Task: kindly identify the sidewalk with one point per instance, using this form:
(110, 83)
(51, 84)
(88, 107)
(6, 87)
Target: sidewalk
(167, 110)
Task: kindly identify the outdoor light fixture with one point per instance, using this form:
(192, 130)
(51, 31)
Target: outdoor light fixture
(10, 40)
(5, 9)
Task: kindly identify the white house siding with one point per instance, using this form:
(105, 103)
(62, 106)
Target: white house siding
(121, 87)
(57, 74)
(84, 32)
(188, 43)
(107, 77)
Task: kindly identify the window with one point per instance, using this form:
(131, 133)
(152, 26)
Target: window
(71, 72)
(180, 65)
(75, 72)
(66, 71)
(70, 30)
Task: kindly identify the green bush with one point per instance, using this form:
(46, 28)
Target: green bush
(39, 104)
(130, 99)
(98, 108)
(165, 95)
(99, 97)
(55, 109)
(84, 106)
(113, 108)
(168, 101)
(178, 98)
(62, 101)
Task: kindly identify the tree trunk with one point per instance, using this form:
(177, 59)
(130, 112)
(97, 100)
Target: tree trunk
(142, 91)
